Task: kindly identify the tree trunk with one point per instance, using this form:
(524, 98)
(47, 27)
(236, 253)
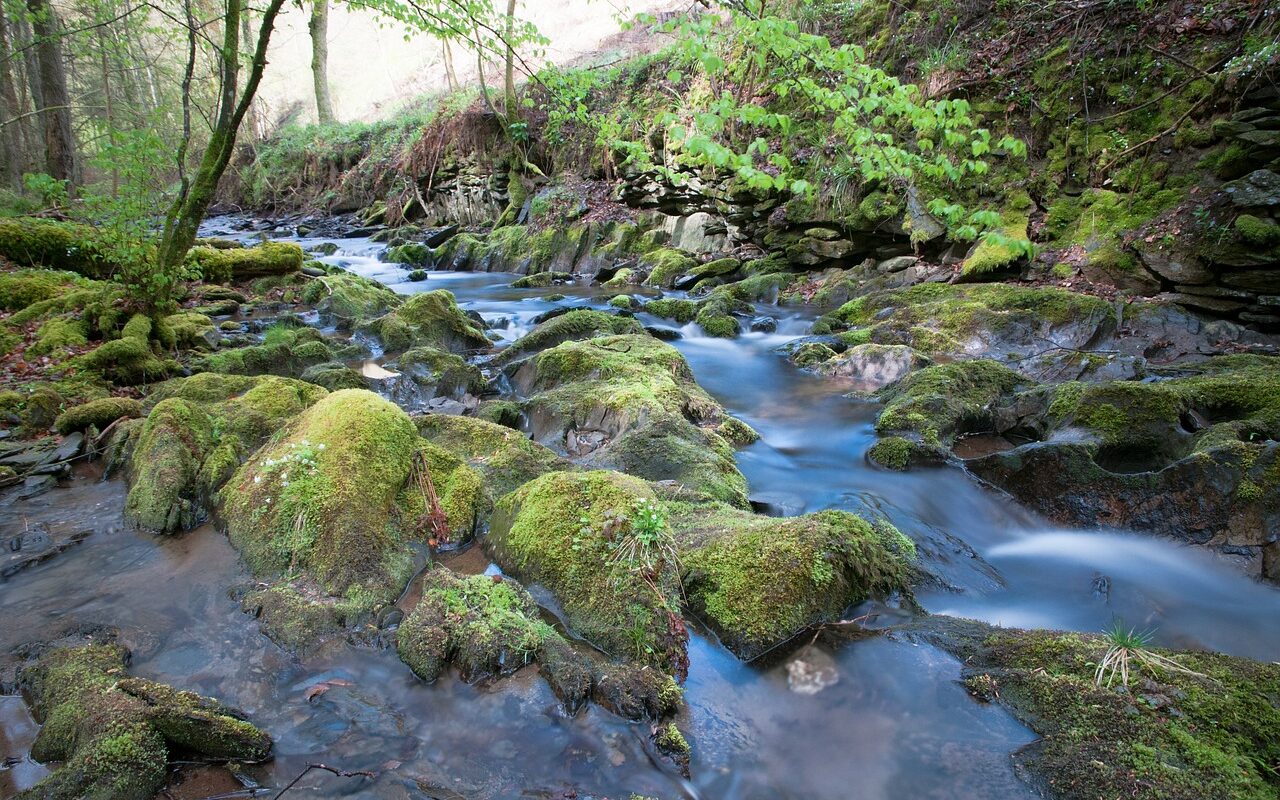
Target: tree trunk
(193, 201)
(11, 150)
(510, 77)
(54, 102)
(451, 77)
(319, 28)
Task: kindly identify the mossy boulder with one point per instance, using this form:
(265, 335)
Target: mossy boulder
(506, 458)
(445, 374)
(573, 325)
(114, 734)
(334, 376)
(560, 530)
(97, 414)
(958, 320)
(285, 351)
(235, 264)
(322, 497)
(194, 438)
(1205, 731)
(630, 403)
(191, 331)
(942, 401)
(759, 581)
(540, 280)
(485, 626)
(430, 319)
(131, 359)
(348, 299)
(31, 242)
(680, 311)
(665, 264)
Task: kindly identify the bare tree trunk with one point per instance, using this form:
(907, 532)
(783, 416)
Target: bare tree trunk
(11, 149)
(193, 199)
(54, 102)
(451, 77)
(110, 108)
(510, 77)
(319, 28)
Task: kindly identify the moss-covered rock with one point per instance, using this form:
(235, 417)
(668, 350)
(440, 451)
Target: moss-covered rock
(39, 408)
(295, 621)
(58, 335)
(506, 458)
(430, 319)
(446, 374)
(1204, 732)
(235, 264)
(322, 497)
(25, 287)
(761, 580)
(562, 530)
(113, 734)
(681, 311)
(195, 437)
(630, 403)
(285, 351)
(665, 264)
(191, 331)
(573, 325)
(349, 299)
(31, 242)
(97, 414)
(541, 280)
(334, 376)
(129, 360)
(944, 400)
(893, 452)
(485, 626)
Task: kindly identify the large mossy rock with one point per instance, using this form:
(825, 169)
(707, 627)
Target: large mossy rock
(235, 264)
(196, 436)
(1208, 731)
(759, 581)
(285, 351)
(131, 359)
(945, 400)
(322, 497)
(348, 300)
(559, 530)
(574, 325)
(629, 403)
(437, 373)
(114, 735)
(506, 458)
(430, 319)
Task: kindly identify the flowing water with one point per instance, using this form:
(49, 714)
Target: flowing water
(892, 720)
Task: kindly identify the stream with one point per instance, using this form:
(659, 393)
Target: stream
(896, 723)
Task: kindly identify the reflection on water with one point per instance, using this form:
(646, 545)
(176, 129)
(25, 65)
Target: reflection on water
(891, 722)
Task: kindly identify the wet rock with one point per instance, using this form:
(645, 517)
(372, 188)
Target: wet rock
(114, 734)
(429, 319)
(34, 545)
(811, 671)
(559, 530)
(1259, 188)
(764, 325)
(818, 565)
(872, 366)
(347, 299)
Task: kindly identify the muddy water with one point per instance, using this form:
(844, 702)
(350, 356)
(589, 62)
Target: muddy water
(888, 719)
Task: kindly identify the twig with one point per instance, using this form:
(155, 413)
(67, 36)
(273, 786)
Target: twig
(341, 773)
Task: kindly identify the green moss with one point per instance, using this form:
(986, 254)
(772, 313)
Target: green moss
(113, 734)
(941, 401)
(130, 359)
(892, 452)
(736, 432)
(539, 280)
(558, 530)
(321, 497)
(349, 299)
(97, 414)
(992, 256)
(414, 254)
(285, 351)
(506, 458)
(57, 336)
(485, 626)
(620, 278)
(681, 311)
(25, 287)
(811, 354)
(1173, 735)
(190, 330)
(31, 242)
(671, 741)
(761, 580)
(716, 324)
(576, 324)
(1254, 231)
(430, 319)
(334, 376)
(665, 264)
(227, 265)
(448, 374)
(164, 494)
(295, 622)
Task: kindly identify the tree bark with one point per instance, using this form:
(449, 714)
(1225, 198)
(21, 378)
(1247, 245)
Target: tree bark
(509, 82)
(11, 149)
(319, 28)
(188, 209)
(54, 101)
(450, 76)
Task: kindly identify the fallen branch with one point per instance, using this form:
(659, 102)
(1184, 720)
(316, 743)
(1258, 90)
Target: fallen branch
(341, 773)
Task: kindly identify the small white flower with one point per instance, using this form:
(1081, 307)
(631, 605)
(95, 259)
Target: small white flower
(286, 483)
(266, 500)
(320, 446)
(257, 479)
